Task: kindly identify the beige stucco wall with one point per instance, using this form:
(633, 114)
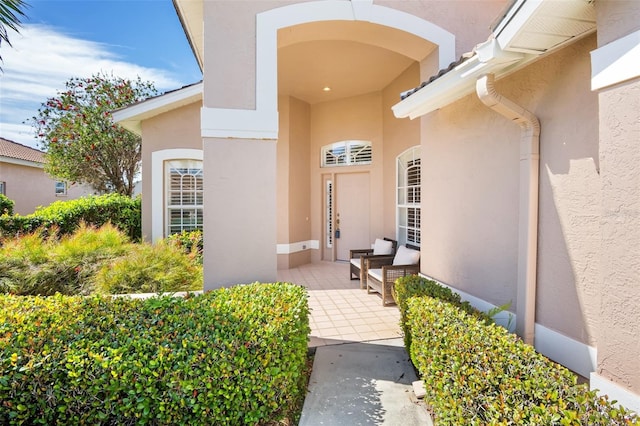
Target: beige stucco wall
(619, 132)
(293, 198)
(179, 128)
(470, 200)
(30, 187)
(240, 207)
(398, 136)
(469, 20)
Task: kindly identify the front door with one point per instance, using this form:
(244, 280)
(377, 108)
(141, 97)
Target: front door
(351, 213)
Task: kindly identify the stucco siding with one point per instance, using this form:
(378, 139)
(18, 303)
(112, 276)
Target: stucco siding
(293, 198)
(398, 136)
(470, 200)
(619, 132)
(469, 20)
(177, 129)
(30, 187)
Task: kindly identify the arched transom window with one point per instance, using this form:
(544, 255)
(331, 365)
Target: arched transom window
(346, 153)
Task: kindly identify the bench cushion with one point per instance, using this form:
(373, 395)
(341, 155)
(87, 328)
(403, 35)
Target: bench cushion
(382, 246)
(406, 256)
(355, 262)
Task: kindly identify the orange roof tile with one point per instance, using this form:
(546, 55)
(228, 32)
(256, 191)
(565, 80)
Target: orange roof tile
(21, 152)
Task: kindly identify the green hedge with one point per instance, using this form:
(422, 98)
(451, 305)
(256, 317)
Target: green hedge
(477, 373)
(122, 211)
(232, 356)
(6, 205)
(191, 242)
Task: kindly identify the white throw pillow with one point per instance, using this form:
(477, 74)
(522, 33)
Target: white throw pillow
(382, 247)
(406, 256)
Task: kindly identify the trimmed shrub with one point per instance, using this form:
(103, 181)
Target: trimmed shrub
(190, 242)
(66, 216)
(6, 205)
(158, 268)
(233, 356)
(477, 373)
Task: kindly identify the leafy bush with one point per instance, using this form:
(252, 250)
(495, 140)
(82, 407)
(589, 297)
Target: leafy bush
(41, 263)
(477, 373)
(233, 356)
(190, 242)
(416, 286)
(6, 205)
(162, 267)
(66, 216)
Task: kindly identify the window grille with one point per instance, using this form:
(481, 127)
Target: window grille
(409, 196)
(347, 153)
(184, 195)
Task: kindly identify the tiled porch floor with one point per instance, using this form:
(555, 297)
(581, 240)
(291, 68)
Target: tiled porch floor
(340, 311)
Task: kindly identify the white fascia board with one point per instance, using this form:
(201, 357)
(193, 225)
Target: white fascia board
(131, 117)
(459, 82)
(239, 123)
(616, 62)
(19, 162)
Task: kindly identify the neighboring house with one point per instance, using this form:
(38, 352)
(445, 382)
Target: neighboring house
(518, 175)
(23, 179)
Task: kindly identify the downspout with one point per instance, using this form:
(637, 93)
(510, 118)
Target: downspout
(528, 216)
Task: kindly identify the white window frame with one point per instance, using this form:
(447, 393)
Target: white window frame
(3, 187)
(350, 153)
(60, 192)
(408, 196)
(183, 195)
(158, 159)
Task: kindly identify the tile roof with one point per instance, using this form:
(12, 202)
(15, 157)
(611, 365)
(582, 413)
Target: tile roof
(440, 73)
(20, 152)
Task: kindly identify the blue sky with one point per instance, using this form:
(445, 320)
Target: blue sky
(61, 39)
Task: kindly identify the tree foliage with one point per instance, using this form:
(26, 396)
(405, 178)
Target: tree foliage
(11, 12)
(82, 142)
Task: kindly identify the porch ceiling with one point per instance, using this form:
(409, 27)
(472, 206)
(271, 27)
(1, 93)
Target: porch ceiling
(352, 58)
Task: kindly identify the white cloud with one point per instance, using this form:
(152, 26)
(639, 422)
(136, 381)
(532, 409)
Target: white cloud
(41, 60)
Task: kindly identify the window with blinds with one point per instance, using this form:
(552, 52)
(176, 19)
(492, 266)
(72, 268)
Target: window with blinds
(408, 196)
(184, 186)
(346, 153)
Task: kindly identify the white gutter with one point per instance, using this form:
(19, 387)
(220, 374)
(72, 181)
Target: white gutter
(459, 82)
(528, 217)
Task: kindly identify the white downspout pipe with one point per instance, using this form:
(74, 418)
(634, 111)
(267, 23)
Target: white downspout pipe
(528, 216)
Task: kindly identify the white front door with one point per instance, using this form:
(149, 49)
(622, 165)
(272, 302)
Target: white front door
(352, 212)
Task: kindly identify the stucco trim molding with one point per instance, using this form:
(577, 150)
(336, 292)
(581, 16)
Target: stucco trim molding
(20, 162)
(624, 397)
(262, 123)
(297, 247)
(158, 159)
(616, 62)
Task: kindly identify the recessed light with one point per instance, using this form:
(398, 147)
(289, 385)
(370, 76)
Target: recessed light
(326, 89)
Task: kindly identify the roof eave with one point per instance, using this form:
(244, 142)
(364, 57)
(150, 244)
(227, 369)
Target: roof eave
(503, 53)
(131, 117)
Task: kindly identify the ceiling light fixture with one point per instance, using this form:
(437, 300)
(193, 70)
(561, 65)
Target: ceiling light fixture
(326, 89)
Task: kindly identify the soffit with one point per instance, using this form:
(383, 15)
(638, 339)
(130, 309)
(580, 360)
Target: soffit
(350, 57)
(191, 16)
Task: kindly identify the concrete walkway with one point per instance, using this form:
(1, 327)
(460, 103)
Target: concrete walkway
(361, 372)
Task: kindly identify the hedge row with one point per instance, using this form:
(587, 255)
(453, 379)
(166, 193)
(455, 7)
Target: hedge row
(477, 373)
(232, 356)
(122, 211)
